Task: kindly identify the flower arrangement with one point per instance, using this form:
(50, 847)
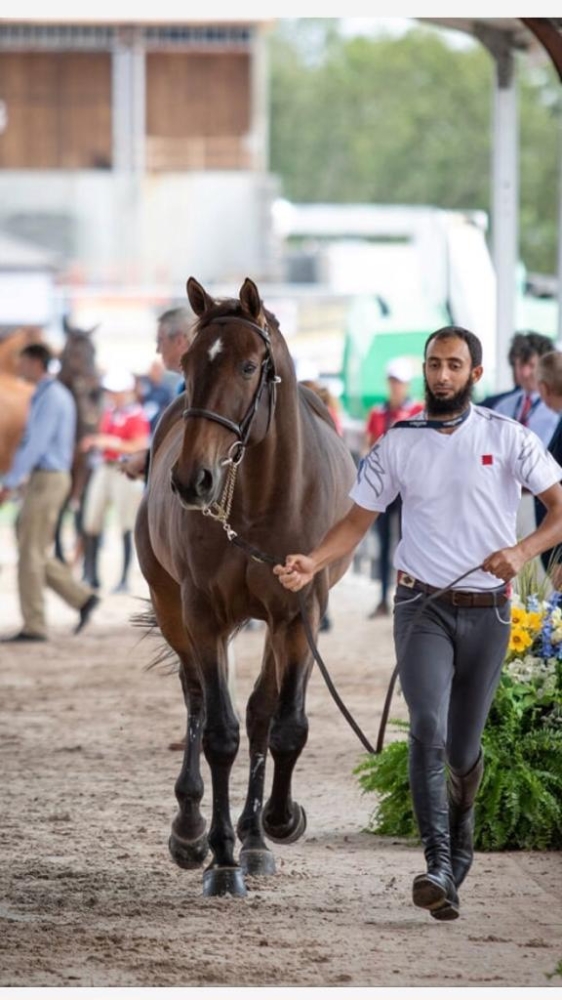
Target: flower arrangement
(519, 804)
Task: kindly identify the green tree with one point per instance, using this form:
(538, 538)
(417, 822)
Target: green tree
(405, 121)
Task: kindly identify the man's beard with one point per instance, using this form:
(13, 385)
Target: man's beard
(438, 406)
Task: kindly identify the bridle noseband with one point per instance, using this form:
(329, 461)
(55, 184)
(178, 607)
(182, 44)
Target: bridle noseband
(268, 377)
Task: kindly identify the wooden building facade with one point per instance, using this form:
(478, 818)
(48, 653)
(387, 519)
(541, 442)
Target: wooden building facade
(147, 98)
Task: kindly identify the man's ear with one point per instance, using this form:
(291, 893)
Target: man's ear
(477, 373)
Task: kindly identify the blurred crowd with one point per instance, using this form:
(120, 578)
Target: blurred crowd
(42, 475)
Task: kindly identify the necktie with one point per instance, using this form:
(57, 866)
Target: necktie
(525, 409)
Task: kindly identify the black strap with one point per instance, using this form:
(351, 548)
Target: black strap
(436, 425)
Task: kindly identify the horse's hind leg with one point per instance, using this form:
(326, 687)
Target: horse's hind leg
(283, 820)
(255, 857)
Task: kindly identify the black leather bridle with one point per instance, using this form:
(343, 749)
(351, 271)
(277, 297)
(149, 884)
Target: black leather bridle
(268, 377)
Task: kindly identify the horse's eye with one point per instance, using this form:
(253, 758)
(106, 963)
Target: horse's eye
(248, 368)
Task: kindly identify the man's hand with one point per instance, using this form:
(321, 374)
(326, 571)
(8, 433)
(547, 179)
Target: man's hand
(88, 442)
(296, 573)
(134, 466)
(5, 494)
(505, 564)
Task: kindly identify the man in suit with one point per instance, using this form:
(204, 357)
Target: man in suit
(550, 388)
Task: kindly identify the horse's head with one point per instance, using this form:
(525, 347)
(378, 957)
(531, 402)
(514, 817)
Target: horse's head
(230, 379)
(77, 358)
(79, 373)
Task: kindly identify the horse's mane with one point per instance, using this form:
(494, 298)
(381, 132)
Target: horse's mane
(316, 404)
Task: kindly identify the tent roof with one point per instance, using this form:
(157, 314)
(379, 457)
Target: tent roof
(525, 33)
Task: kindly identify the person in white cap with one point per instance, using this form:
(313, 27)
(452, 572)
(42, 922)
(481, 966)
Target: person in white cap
(397, 406)
(124, 429)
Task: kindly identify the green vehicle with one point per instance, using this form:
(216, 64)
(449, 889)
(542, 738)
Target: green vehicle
(376, 335)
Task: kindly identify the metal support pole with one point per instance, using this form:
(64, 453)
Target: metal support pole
(559, 285)
(505, 196)
(129, 102)
(259, 113)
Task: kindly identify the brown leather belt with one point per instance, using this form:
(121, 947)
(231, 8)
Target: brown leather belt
(458, 598)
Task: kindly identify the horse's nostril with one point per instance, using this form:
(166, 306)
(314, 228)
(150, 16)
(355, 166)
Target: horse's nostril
(203, 482)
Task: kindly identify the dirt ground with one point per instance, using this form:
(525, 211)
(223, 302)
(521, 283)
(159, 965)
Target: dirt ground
(90, 898)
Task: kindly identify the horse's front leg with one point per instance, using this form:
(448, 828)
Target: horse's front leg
(283, 820)
(221, 738)
(255, 857)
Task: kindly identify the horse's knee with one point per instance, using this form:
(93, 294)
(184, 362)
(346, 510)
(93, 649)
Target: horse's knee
(221, 743)
(288, 735)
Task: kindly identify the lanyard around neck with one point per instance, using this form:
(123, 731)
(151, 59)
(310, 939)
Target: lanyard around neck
(436, 425)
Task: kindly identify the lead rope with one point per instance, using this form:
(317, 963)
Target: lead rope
(221, 513)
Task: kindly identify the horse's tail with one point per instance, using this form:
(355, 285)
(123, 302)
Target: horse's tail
(164, 656)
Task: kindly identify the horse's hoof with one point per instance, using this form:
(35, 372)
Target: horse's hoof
(257, 861)
(188, 853)
(288, 832)
(224, 882)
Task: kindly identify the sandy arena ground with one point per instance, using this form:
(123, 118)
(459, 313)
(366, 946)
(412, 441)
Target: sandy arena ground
(90, 898)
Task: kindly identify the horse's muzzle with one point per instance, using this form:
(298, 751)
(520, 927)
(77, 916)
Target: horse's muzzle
(199, 492)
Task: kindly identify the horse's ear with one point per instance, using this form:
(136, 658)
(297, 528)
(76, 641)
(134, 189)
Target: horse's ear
(199, 301)
(93, 330)
(67, 327)
(250, 298)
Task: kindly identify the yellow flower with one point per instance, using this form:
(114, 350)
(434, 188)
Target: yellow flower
(518, 616)
(519, 639)
(534, 620)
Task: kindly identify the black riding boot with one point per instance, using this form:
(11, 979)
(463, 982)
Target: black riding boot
(91, 548)
(462, 793)
(435, 891)
(123, 586)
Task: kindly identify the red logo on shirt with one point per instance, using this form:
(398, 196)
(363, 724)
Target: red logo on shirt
(487, 459)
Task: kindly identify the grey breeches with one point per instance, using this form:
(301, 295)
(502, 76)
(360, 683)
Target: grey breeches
(449, 670)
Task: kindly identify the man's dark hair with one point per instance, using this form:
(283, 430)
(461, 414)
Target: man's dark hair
(526, 343)
(40, 352)
(540, 343)
(470, 339)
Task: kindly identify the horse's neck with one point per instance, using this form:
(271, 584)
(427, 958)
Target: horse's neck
(277, 461)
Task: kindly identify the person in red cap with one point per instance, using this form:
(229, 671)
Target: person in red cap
(397, 406)
(124, 429)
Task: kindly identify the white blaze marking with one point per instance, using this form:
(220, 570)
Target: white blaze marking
(215, 349)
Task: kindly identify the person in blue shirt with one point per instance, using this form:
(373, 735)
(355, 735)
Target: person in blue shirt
(42, 465)
(154, 393)
(550, 388)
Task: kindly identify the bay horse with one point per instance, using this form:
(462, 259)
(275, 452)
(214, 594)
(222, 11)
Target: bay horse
(79, 373)
(243, 442)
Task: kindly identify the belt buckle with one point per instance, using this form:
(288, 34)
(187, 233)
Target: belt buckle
(454, 599)
(407, 581)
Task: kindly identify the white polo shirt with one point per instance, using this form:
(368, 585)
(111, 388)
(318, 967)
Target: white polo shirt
(460, 492)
